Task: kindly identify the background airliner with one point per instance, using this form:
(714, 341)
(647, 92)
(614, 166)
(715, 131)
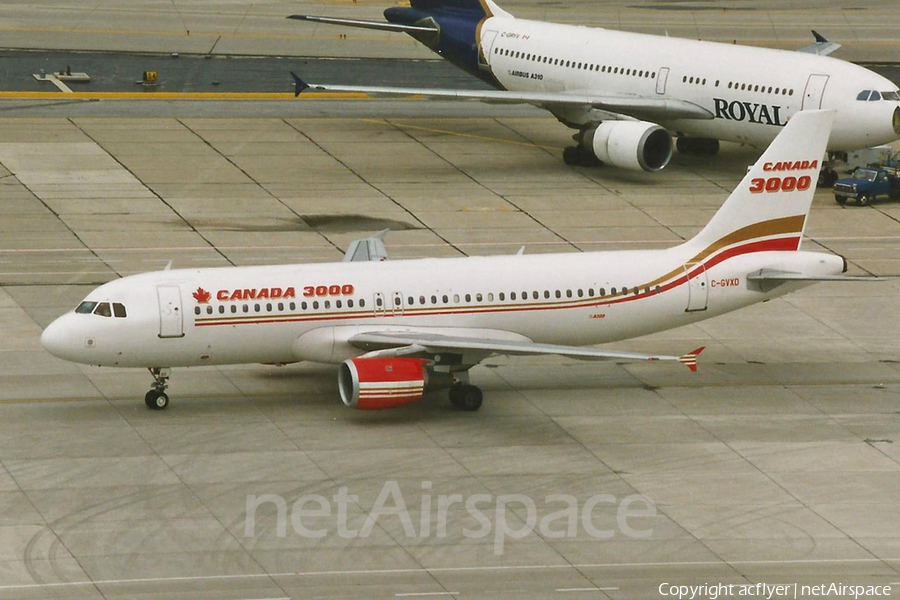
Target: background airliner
(398, 327)
(625, 92)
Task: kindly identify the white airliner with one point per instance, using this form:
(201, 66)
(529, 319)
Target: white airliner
(399, 327)
(625, 92)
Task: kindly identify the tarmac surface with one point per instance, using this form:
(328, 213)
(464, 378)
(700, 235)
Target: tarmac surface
(776, 462)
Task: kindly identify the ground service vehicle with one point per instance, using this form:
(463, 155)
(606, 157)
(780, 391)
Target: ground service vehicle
(868, 184)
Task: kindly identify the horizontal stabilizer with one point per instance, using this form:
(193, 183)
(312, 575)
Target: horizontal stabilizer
(379, 25)
(822, 47)
(775, 276)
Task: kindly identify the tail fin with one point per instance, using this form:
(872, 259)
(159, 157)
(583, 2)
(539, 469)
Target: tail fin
(773, 200)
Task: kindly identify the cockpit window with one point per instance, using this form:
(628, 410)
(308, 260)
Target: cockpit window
(864, 95)
(86, 308)
(103, 310)
(890, 96)
(119, 310)
(875, 96)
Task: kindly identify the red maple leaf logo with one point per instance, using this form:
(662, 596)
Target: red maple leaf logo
(201, 296)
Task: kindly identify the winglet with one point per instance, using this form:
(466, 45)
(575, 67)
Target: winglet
(299, 85)
(819, 37)
(690, 359)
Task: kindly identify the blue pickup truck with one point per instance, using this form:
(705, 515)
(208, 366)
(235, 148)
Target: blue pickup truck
(868, 184)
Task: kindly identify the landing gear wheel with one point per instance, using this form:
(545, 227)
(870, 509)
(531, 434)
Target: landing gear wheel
(156, 400)
(466, 397)
(842, 200)
(571, 155)
(864, 200)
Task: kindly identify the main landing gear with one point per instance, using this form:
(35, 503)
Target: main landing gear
(580, 155)
(464, 396)
(697, 146)
(156, 398)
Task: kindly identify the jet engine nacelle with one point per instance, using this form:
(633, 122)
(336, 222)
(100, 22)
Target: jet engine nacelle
(631, 145)
(376, 383)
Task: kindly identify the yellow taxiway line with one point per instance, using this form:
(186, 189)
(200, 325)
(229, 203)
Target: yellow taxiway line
(180, 96)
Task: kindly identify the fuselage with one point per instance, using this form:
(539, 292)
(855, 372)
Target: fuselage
(749, 92)
(281, 314)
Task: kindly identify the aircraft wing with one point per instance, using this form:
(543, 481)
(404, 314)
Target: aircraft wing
(386, 343)
(636, 106)
(822, 47)
(367, 249)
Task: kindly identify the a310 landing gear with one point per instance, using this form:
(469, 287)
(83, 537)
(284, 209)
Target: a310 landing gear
(580, 156)
(156, 398)
(464, 396)
(697, 146)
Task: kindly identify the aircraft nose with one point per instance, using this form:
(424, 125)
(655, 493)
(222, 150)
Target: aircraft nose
(56, 339)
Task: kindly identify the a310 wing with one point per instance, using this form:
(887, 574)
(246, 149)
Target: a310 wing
(431, 343)
(634, 106)
(822, 47)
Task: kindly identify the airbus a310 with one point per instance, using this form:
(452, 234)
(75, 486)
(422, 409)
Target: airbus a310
(624, 92)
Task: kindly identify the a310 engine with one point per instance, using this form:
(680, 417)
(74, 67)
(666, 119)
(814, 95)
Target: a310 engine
(376, 383)
(637, 145)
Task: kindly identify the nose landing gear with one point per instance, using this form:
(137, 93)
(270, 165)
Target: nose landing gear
(156, 398)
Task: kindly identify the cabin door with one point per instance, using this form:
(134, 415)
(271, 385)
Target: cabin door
(171, 321)
(661, 78)
(812, 96)
(698, 287)
(487, 44)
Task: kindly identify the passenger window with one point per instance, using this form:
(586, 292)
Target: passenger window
(591, 292)
(580, 293)
(502, 296)
(119, 310)
(103, 310)
(396, 300)
(221, 309)
(350, 303)
(478, 298)
(658, 289)
(378, 302)
(490, 297)
(546, 294)
(337, 303)
(434, 299)
(304, 305)
(268, 307)
(292, 306)
(328, 304)
(568, 293)
(422, 300)
(535, 295)
(280, 306)
(512, 296)
(196, 310)
(468, 297)
(233, 308)
(256, 308)
(456, 298)
(86, 308)
(410, 301)
(246, 308)
(445, 299)
(558, 294)
(209, 310)
(315, 305)
(362, 303)
(612, 291)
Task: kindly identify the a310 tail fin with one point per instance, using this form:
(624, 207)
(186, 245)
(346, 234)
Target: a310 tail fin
(772, 201)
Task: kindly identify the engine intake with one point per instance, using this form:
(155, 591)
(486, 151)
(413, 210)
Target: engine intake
(635, 145)
(377, 383)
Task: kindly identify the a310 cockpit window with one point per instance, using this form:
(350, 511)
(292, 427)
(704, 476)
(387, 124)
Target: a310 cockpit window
(873, 96)
(102, 309)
